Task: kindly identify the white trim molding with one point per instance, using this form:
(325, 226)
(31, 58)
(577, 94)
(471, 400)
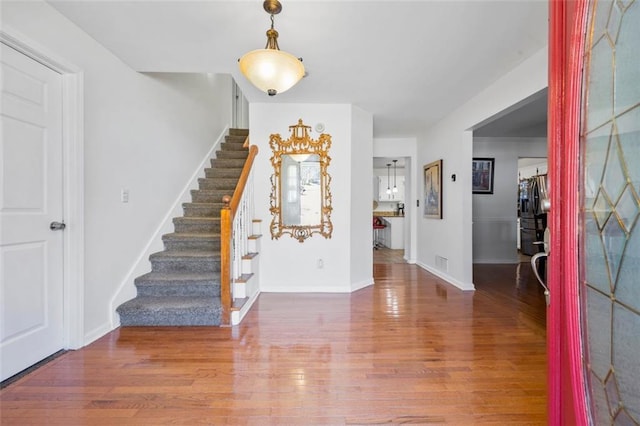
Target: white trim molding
(362, 284)
(448, 278)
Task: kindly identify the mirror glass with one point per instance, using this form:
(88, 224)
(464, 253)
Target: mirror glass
(300, 194)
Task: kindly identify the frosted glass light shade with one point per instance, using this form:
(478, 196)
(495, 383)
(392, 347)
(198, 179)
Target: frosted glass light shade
(299, 157)
(270, 70)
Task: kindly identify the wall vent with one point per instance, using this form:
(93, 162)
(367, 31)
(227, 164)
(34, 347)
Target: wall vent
(442, 263)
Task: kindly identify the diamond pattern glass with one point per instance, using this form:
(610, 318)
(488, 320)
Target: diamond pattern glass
(627, 70)
(600, 85)
(610, 281)
(599, 307)
(595, 159)
(614, 178)
(613, 396)
(627, 209)
(626, 350)
(602, 209)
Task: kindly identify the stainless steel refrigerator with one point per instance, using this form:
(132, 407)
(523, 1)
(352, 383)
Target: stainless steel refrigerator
(533, 220)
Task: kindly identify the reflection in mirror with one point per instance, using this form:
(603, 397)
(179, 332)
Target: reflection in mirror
(301, 199)
(300, 195)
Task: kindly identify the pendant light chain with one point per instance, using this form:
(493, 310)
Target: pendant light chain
(388, 178)
(395, 188)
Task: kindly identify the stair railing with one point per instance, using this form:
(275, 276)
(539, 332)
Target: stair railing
(236, 219)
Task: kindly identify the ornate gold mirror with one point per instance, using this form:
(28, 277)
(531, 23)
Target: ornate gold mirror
(300, 195)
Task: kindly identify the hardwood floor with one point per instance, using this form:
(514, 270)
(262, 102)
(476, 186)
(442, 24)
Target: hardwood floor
(385, 255)
(410, 349)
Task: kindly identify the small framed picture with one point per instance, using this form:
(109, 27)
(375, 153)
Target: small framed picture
(433, 190)
(482, 175)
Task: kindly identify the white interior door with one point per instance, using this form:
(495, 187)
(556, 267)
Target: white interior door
(31, 198)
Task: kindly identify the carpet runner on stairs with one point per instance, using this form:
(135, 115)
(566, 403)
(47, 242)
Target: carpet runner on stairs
(183, 287)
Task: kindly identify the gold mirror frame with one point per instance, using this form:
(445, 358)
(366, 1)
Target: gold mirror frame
(300, 142)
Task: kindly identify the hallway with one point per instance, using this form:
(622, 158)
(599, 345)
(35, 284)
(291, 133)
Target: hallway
(410, 349)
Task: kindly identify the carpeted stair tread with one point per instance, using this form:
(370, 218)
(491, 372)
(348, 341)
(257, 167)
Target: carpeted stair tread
(234, 144)
(217, 183)
(202, 209)
(185, 254)
(192, 241)
(179, 277)
(191, 236)
(215, 172)
(231, 146)
(185, 261)
(232, 154)
(176, 302)
(171, 311)
(168, 284)
(228, 162)
(213, 197)
(196, 224)
(238, 132)
(205, 204)
(196, 219)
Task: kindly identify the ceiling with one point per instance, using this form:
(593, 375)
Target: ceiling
(409, 63)
(528, 118)
(381, 162)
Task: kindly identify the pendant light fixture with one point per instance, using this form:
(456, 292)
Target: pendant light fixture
(270, 69)
(395, 188)
(388, 178)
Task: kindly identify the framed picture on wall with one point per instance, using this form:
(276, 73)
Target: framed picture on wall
(432, 196)
(482, 175)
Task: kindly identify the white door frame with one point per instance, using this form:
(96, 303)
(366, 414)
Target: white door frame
(73, 180)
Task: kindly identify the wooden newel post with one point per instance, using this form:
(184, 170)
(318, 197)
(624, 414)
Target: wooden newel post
(225, 259)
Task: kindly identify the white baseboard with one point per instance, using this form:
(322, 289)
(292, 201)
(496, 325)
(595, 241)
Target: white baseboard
(279, 288)
(237, 316)
(97, 333)
(362, 284)
(126, 290)
(447, 278)
(510, 261)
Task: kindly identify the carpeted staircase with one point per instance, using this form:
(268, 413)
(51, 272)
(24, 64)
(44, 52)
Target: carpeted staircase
(183, 287)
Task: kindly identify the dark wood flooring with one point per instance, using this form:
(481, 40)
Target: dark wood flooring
(410, 349)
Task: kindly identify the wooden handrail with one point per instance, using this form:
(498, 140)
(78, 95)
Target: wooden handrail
(242, 182)
(227, 215)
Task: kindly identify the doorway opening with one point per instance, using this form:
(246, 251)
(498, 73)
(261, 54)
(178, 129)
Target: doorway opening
(391, 183)
(516, 142)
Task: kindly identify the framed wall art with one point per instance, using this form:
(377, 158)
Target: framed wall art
(482, 175)
(432, 197)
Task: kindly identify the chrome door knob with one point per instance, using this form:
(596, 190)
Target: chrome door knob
(57, 226)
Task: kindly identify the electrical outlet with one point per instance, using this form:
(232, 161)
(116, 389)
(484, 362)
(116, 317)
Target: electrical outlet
(320, 264)
(124, 195)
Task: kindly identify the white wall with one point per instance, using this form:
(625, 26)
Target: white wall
(287, 265)
(405, 147)
(145, 133)
(361, 188)
(495, 215)
(444, 246)
(539, 167)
